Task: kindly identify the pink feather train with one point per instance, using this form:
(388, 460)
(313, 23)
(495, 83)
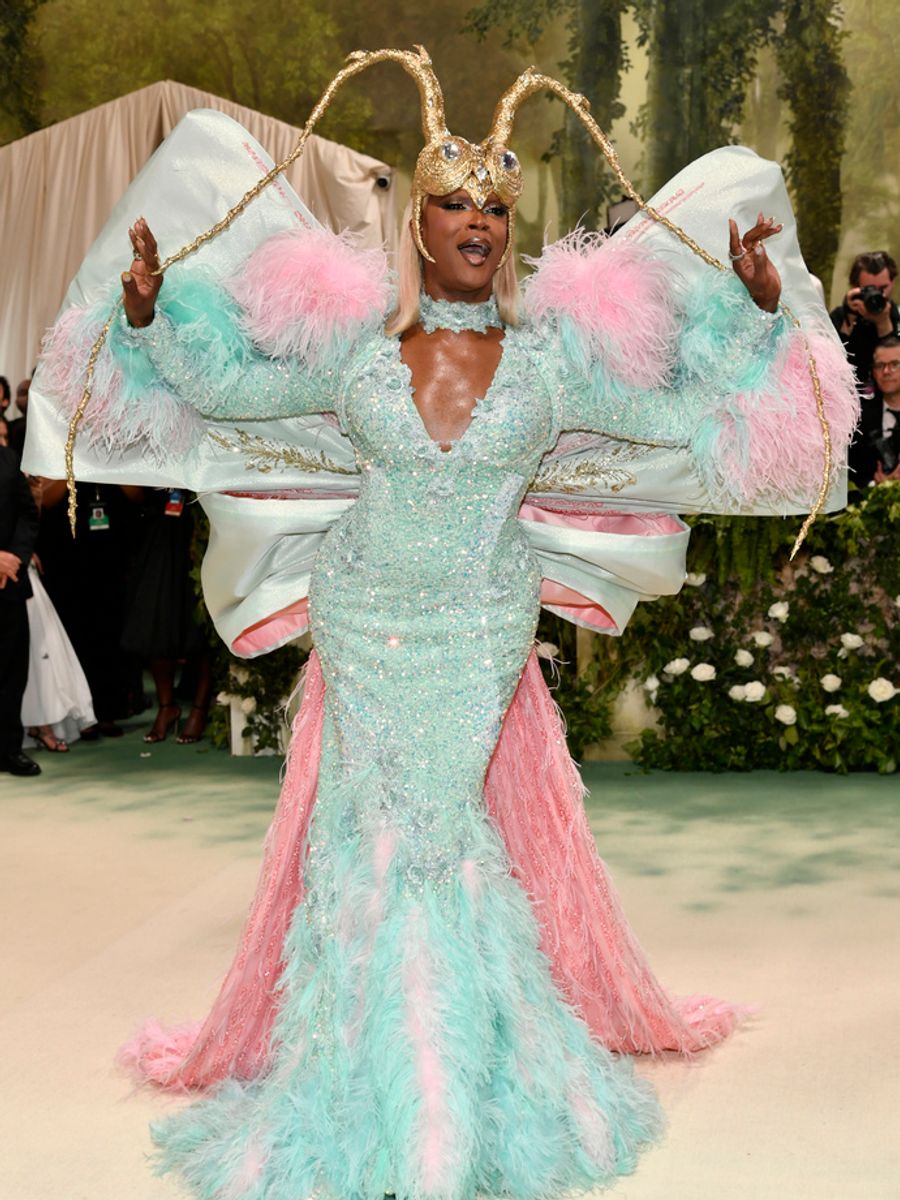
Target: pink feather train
(533, 794)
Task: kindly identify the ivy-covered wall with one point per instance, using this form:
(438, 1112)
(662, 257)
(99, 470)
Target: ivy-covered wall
(760, 662)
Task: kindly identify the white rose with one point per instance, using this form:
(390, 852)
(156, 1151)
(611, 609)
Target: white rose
(830, 683)
(819, 563)
(703, 672)
(897, 601)
(851, 641)
(786, 714)
(677, 666)
(743, 658)
(783, 672)
(248, 704)
(754, 691)
(779, 611)
(651, 683)
(881, 689)
(738, 692)
(836, 710)
(762, 638)
(700, 633)
(223, 698)
(547, 650)
(693, 580)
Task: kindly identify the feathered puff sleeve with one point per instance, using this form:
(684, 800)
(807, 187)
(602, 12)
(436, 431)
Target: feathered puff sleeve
(643, 355)
(268, 343)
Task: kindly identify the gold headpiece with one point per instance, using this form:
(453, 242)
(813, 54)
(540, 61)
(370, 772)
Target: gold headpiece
(445, 164)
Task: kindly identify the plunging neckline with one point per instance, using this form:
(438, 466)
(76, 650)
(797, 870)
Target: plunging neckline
(447, 445)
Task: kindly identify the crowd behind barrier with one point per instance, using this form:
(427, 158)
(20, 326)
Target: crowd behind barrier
(81, 618)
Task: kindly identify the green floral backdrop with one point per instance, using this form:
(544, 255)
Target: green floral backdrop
(760, 662)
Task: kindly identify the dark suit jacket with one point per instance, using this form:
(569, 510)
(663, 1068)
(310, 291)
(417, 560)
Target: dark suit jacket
(17, 436)
(18, 525)
(861, 341)
(863, 457)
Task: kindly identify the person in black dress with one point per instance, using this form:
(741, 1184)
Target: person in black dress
(18, 533)
(160, 624)
(86, 578)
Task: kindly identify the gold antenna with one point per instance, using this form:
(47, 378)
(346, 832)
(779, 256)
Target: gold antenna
(531, 81)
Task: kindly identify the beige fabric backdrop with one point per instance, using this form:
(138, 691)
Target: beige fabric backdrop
(58, 186)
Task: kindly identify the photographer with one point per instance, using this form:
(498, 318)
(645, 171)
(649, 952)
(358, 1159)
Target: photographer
(867, 313)
(875, 453)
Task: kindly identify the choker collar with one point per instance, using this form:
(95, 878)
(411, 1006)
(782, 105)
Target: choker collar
(458, 315)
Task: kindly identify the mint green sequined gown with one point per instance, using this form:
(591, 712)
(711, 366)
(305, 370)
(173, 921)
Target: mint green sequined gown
(423, 1049)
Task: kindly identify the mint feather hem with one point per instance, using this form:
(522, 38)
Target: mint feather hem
(421, 1049)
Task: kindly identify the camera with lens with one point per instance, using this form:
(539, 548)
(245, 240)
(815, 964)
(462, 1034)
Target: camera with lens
(873, 298)
(887, 449)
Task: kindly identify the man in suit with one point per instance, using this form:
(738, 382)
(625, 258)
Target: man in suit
(18, 533)
(17, 428)
(875, 453)
(860, 325)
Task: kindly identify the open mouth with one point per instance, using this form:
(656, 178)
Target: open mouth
(475, 251)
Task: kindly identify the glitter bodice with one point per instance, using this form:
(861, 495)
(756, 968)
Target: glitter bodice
(511, 426)
(424, 598)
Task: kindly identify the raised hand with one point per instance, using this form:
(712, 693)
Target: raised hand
(752, 265)
(140, 286)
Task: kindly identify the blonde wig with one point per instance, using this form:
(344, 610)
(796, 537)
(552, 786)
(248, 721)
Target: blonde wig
(410, 277)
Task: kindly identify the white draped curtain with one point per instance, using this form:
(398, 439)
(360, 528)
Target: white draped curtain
(59, 185)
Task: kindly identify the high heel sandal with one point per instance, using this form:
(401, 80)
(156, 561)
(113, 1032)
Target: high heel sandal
(48, 740)
(152, 737)
(188, 739)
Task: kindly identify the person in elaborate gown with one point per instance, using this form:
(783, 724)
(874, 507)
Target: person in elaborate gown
(435, 978)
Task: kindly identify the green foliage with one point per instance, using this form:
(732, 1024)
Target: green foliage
(585, 698)
(596, 59)
(742, 549)
(262, 684)
(19, 104)
(703, 57)
(738, 578)
(817, 88)
(95, 50)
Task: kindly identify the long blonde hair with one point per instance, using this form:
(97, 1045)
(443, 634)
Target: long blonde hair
(409, 285)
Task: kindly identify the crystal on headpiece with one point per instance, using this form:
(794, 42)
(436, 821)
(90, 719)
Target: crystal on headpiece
(508, 160)
(481, 172)
(451, 151)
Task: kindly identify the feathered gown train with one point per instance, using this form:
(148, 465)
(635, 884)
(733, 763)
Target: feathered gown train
(533, 795)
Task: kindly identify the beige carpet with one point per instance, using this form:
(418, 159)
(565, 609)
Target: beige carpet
(125, 879)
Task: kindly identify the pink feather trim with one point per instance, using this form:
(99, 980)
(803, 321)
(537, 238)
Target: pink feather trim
(618, 297)
(771, 442)
(113, 419)
(64, 358)
(157, 1052)
(304, 289)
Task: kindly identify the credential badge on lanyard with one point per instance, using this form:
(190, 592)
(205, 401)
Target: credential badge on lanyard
(175, 503)
(99, 518)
